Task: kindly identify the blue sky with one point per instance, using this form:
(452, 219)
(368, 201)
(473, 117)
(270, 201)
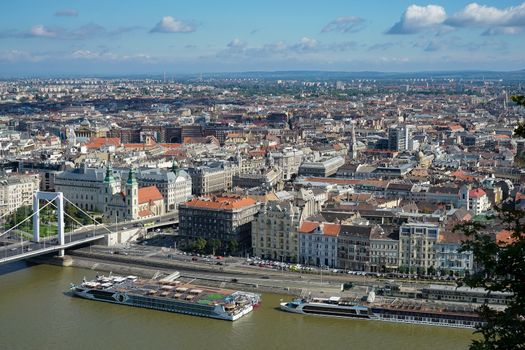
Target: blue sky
(123, 37)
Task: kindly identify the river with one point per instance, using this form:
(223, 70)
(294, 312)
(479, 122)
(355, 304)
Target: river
(36, 313)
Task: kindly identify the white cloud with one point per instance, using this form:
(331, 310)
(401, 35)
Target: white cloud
(305, 44)
(416, 19)
(169, 24)
(41, 31)
(345, 24)
(481, 15)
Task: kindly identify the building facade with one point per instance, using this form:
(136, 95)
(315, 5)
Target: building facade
(416, 246)
(17, 191)
(224, 218)
(274, 232)
(318, 243)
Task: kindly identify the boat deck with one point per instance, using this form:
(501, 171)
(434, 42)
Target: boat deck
(166, 289)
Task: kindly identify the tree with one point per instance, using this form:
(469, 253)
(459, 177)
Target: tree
(213, 246)
(233, 246)
(431, 270)
(500, 268)
(199, 244)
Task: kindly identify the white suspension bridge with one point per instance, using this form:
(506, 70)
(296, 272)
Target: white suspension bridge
(23, 248)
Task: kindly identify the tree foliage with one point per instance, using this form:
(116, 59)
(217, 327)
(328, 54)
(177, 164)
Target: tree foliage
(500, 267)
(520, 128)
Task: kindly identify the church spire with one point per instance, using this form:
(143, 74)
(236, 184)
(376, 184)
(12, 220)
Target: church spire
(109, 174)
(175, 167)
(132, 180)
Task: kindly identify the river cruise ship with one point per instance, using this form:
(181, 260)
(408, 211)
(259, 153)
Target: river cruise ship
(391, 310)
(172, 296)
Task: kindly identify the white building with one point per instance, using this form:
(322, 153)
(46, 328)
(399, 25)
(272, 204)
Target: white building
(16, 191)
(318, 243)
(289, 160)
(175, 185)
(478, 201)
(85, 186)
(416, 246)
(274, 232)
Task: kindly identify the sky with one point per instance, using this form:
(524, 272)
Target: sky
(89, 37)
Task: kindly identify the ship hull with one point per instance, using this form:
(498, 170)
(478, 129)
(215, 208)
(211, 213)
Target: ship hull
(158, 304)
(380, 314)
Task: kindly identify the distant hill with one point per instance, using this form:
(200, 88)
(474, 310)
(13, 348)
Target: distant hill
(338, 75)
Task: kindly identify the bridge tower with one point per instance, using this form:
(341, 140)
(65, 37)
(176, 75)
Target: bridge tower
(58, 198)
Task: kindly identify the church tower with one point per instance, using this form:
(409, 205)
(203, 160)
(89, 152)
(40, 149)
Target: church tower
(132, 195)
(110, 186)
(175, 168)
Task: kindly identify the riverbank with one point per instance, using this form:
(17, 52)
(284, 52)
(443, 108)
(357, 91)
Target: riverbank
(211, 277)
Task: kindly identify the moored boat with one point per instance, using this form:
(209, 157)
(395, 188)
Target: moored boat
(171, 296)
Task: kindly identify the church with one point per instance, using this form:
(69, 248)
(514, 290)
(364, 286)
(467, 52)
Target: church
(129, 202)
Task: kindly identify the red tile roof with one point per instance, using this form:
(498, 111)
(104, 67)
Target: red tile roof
(226, 202)
(97, 142)
(327, 228)
(330, 229)
(308, 226)
(149, 194)
(477, 193)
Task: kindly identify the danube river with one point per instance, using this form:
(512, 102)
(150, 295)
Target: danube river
(36, 313)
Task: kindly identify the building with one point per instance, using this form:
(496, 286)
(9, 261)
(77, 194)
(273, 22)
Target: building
(384, 251)
(84, 187)
(274, 231)
(289, 160)
(400, 138)
(265, 178)
(123, 204)
(416, 246)
(174, 185)
(16, 191)
(206, 180)
(449, 258)
(318, 243)
(478, 201)
(47, 171)
(225, 218)
(354, 247)
(151, 202)
(323, 168)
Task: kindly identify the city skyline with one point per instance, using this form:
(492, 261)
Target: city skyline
(73, 37)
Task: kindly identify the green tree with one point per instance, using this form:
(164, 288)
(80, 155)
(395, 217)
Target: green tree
(233, 246)
(501, 268)
(213, 246)
(199, 245)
